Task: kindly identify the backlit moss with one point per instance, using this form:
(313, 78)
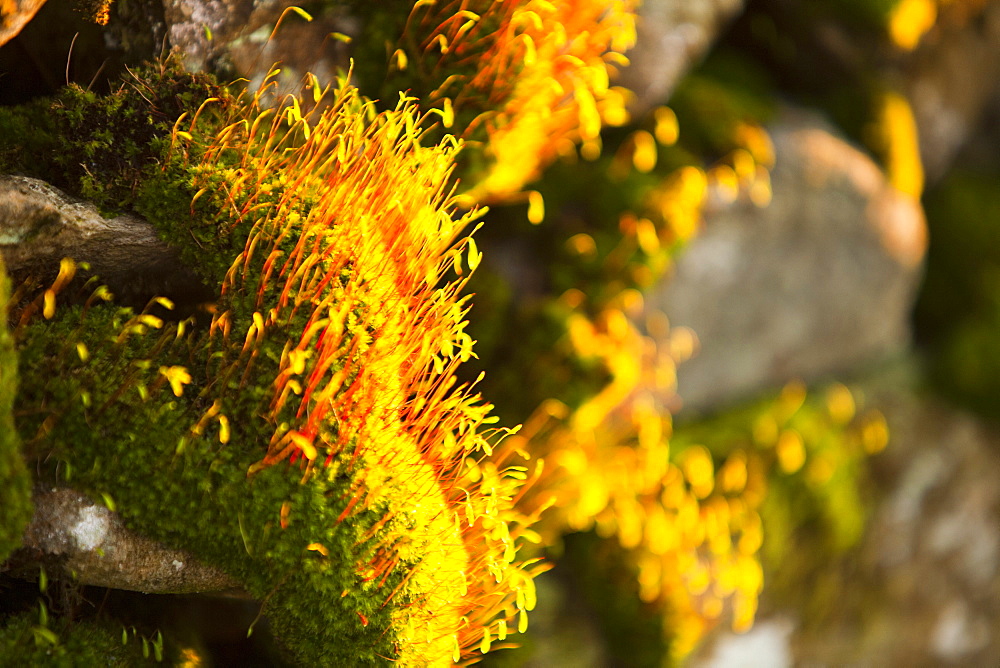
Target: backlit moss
(310, 439)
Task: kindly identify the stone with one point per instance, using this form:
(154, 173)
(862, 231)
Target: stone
(818, 283)
(75, 537)
(765, 645)
(240, 35)
(671, 38)
(40, 225)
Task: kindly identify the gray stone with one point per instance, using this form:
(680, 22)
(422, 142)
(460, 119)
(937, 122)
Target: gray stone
(40, 225)
(75, 537)
(815, 284)
(929, 577)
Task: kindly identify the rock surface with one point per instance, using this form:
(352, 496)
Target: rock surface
(240, 34)
(951, 79)
(73, 536)
(815, 284)
(40, 225)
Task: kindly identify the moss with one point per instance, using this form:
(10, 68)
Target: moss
(189, 492)
(308, 441)
(15, 481)
(101, 147)
(35, 639)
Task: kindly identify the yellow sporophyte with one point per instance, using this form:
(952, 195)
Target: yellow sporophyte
(177, 376)
(910, 20)
(895, 136)
(541, 76)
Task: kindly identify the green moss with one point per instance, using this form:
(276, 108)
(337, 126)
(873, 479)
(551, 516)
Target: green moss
(101, 147)
(191, 491)
(15, 482)
(34, 639)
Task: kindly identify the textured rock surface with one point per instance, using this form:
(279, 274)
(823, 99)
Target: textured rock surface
(72, 535)
(672, 36)
(933, 549)
(40, 225)
(817, 283)
(237, 34)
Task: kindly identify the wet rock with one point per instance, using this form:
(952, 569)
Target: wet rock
(817, 283)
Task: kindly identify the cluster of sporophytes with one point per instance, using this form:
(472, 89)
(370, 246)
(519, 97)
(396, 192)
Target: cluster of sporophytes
(789, 483)
(308, 435)
(526, 80)
(688, 512)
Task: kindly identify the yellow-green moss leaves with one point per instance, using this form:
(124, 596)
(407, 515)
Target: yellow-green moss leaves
(15, 482)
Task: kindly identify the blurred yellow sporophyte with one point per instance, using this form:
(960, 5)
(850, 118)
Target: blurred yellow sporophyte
(894, 135)
(910, 20)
